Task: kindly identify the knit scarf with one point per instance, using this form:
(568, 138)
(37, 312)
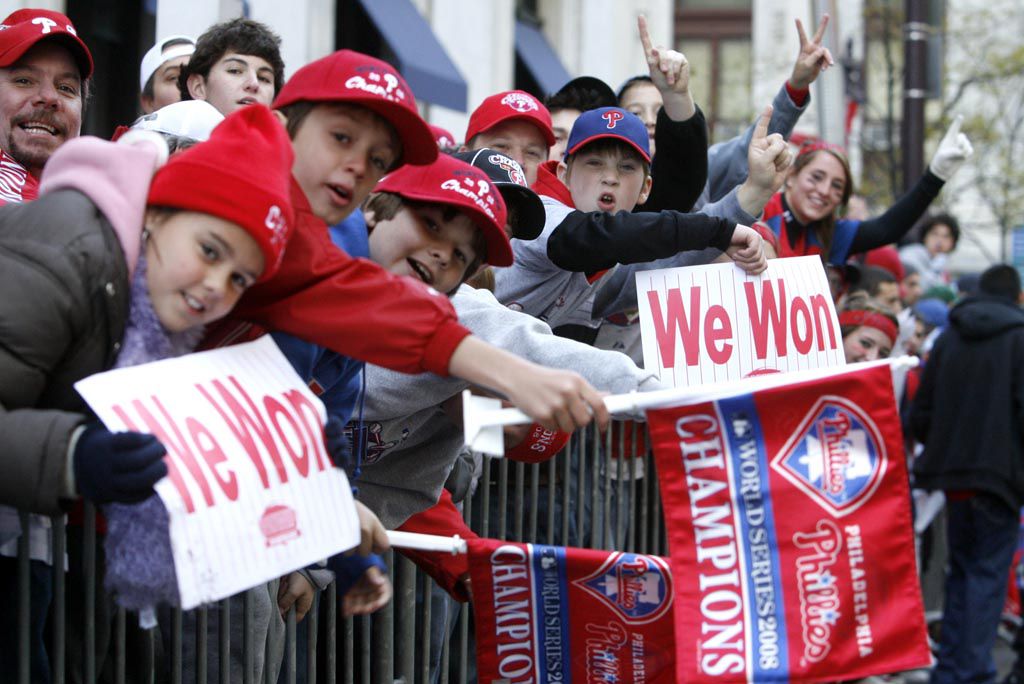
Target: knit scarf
(140, 565)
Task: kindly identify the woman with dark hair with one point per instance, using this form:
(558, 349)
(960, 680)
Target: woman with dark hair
(939, 234)
(804, 214)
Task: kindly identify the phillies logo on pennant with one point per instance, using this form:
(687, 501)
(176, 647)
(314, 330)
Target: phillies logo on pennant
(639, 588)
(836, 456)
(509, 166)
(520, 102)
(613, 117)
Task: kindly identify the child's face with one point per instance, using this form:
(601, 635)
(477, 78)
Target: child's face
(561, 123)
(605, 181)
(341, 151)
(518, 139)
(816, 190)
(939, 240)
(866, 344)
(197, 266)
(235, 81)
(644, 100)
(425, 242)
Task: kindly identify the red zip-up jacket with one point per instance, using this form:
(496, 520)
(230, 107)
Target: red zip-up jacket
(549, 185)
(350, 306)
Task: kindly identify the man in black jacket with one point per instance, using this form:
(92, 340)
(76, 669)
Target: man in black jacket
(969, 413)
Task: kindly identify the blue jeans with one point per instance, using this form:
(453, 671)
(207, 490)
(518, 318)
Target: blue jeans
(982, 536)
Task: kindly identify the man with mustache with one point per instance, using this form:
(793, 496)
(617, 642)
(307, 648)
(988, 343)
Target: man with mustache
(44, 82)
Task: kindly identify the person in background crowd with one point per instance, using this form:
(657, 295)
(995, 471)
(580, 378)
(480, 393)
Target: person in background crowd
(869, 332)
(514, 123)
(159, 71)
(44, 83)
(445, 140)
(236, 63)
(881, 286)
(579, 95)
(803, 215)
(910, 286)
(969, 414)
(939, 236)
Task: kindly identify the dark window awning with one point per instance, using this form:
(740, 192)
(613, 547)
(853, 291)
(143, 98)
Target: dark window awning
(422, 60)
(539, 58)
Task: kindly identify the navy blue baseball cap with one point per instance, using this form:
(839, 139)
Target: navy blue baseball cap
(609, 122)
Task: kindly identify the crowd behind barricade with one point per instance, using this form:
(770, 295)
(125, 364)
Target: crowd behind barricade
(395, 267)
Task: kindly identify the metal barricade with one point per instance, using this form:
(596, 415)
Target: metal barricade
(599, 492)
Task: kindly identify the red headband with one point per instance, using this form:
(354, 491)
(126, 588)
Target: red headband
(872, 320)
(816, 145)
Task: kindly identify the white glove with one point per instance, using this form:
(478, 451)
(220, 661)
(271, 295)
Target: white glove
(954, 149)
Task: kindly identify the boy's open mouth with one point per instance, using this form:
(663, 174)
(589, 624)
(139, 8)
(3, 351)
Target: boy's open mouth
(341, 195)
(421, 270)
(606, 200)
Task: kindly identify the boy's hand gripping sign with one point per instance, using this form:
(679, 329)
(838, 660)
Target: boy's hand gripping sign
(251, 492)
(788, 516)
(707, 324)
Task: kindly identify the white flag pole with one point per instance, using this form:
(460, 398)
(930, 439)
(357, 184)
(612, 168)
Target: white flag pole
(483, 418)
(427, 542)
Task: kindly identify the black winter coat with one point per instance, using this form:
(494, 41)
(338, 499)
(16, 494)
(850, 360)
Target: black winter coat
(969, 409)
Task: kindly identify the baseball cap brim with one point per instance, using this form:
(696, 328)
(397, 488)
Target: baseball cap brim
(74, 44)
(527, 209)
(587, 141)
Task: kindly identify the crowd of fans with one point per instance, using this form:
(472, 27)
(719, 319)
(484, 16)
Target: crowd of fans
(324, 211)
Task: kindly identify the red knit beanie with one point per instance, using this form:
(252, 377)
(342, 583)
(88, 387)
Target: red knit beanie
(241, 174)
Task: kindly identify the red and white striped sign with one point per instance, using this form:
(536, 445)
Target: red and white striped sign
(707, 324)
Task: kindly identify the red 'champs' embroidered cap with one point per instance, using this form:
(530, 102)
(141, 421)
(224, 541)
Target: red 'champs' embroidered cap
(26, 27)
(609, 122)
(511, 104)
(457, 184)
(349, 76)
(241, 174)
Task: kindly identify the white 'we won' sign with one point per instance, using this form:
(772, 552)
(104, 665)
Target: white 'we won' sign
(714, 323)
(251, 492)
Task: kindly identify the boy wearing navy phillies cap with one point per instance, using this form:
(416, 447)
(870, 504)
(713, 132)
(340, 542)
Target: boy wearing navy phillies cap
(591, 227)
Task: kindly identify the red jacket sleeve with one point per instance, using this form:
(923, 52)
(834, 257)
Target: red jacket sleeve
(445, 568)
(350, 306)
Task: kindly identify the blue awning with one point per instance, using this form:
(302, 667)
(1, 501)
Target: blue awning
(421, 59)
(541, 61)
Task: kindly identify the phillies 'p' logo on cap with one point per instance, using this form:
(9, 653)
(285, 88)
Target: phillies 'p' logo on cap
(613, 117)
(609, 122)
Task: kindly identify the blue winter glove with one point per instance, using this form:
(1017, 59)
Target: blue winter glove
(339, 446)
(117, 466)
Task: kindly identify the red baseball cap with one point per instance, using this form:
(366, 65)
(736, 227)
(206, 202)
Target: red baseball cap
(349, 76)
(444, 138)
(241, 174)
(511, 104)
(457, 184)
(26, 27)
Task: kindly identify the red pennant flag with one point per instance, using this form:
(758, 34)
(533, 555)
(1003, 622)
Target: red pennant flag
(788, 515)
(555, 614)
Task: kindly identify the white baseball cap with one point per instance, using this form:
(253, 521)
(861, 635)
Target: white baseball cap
(193, 119)
(158, 54)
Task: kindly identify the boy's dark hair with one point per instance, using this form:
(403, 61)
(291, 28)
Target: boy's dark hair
(242, 36)
(871, 277)
(581, 99)
(642, 78)
(606, 145)
(930, 222)
(1001, 280)
(296, 113)
(386, 205)
(147, 90)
